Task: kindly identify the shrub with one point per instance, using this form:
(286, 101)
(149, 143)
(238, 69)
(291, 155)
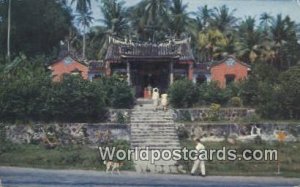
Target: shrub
(117, 93)
(75, 100)
(235, 102)
(183, 93)
(212, 93)
(214, 111)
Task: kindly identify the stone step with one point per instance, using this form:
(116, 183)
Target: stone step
(151, 133)
(154, 140)
(137, 124)
(151, 142)
(147, 129)
(152, 125)
(148, 123)
(156, 146)
(150, 118)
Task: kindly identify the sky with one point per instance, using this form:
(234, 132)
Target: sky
(243, 7)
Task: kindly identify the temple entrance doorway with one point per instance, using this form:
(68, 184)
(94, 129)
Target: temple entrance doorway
(149, 75)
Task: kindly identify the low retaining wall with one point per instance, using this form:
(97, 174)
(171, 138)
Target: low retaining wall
(242, 132)
(68, 133)
(203, 114)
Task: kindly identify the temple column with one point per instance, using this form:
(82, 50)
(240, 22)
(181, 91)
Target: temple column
(107, 69)
(191, 71)
(128, 73)
(171, 73)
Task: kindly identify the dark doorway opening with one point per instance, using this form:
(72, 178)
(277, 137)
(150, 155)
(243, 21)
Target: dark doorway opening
(146, 74)
(229, 79)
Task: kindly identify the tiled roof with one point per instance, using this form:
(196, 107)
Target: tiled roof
(180, 50)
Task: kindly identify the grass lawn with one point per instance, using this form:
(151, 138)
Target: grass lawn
(67, 157)
(288, 154)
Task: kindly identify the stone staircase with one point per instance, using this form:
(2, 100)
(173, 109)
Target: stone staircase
(154, 130)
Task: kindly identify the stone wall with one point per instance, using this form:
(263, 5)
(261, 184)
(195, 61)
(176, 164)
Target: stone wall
(67, 133)
(203, 114)
(242, 132)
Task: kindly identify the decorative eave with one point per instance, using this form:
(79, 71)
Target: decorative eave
(119, 50)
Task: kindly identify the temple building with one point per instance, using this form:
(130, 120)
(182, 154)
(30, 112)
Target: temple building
(149, 65)
(68, 65)
(153, 65)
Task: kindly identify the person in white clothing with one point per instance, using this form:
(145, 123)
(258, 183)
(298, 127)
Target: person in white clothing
(155, 98)
(200, 161)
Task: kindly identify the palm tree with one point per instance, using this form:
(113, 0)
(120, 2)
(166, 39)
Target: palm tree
(212, 42)
(223, 19)
(82, 6)
(156, 9)
(249, 46)
(204, 14)
(115, 23)
(265, 21)
(8, 29)
(283, 33)
(179, 17)
(156, 18)
(84, 19)
(114, 15)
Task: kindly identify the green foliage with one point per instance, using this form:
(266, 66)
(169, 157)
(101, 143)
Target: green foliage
(75, 99)
(117, 93)
(212, 93)
(235, 102)
(274, 94)
(27, 93)
(214, 110)
(288, 93)
(37, 27)
(183, 93)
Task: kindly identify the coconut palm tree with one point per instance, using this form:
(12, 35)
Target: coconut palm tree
(179, 20)
(223, 19)
(156, 10)
(82, 6)
(249, 46)
(8, 29)
(211, 43)
(114, 15)
(265, 21)
(84, 19)
(204, 14)
(156, 15)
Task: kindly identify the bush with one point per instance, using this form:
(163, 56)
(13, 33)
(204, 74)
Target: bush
(117, 93)
(288, 93)
(212, 93)
(183, 93)
(27, 93)
(235, 102)
(214, 112)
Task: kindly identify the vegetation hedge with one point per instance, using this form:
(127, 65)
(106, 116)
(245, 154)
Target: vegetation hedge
(27, 93)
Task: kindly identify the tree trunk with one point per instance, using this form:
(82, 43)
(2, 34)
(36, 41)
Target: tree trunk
(83, 44)
(8, 30)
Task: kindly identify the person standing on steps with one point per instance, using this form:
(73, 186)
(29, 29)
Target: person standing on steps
(155, 98)
(200, 160)
(164, 101)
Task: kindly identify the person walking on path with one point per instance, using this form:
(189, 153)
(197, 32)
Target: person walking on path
(199, 162)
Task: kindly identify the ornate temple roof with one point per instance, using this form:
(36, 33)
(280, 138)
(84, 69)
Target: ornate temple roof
(118, 50)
